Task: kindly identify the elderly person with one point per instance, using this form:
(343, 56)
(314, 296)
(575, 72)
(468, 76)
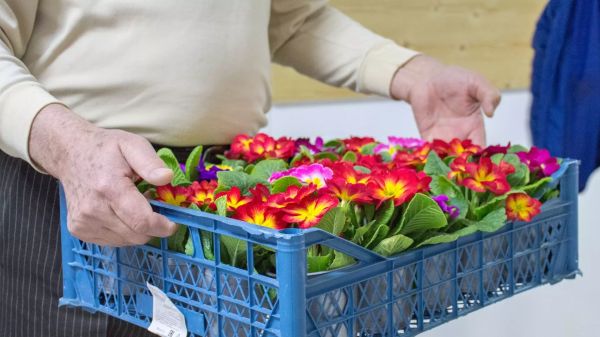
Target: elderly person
(87, 86)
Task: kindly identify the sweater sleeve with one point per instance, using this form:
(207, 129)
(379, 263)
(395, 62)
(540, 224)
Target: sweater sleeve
(21, 96)
(323, 43)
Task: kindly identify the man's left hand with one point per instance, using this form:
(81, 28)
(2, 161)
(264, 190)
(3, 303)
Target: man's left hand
(447, 101)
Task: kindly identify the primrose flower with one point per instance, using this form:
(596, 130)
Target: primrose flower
(260, 193)
(413, 159)
(520, 206)
(292, 195)
(456, 147)
(458, 169)
(539, 161)
(494, 149)
(234, 198)
(398, 185)
(310, 211)
(202, 193)
(385, 148)
(423, 182)
(371, 162)
(316, 174)
(259, 214)
(486, 176)
(261, 146)
(266, 147)
(240, 146)
(451, 210)
(357, 143)
(207, 171)
(314, 148)
(348, 192)
(406, 143)
(346, 171)
(172, 195)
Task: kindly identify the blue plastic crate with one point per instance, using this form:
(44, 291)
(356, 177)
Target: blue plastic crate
(399, 296)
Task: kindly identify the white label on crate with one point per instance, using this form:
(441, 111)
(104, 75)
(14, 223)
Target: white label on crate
(167, 320)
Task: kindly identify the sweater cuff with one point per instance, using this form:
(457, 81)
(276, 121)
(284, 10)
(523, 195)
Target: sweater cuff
(380, 65)
(18, 107)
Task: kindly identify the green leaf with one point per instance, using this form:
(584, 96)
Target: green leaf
(207, 245)
(393, 245)
(264, 169)
(236, 250)
(521, 175)
(340, 260)
(552, 194)
(362, 169)
(335, 143)
(448, 237)
(189, 247)
(334, 221)
(350, 156)
(248, 169)
(492, 222)
(221, 204)
(384, 213)
(375, 238)
(422, 213)
(176, 242)
(386, 157)
(191, 173)
(143, 186)
(229, 179)
(326, 155)
(351, 211)
(368, 148)
(234, 163)
(369, 211)
(442, 185)
(361, 232)
(534, 188)
(517, 148)
(282, 184)
(318, 263)
(435, 165)
(168, 157)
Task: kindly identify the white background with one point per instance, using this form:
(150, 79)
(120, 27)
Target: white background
(568, 309)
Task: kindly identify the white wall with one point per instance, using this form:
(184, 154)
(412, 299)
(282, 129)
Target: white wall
(570, 308)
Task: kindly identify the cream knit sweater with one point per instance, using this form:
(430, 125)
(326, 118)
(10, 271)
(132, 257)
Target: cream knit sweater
(178, 72)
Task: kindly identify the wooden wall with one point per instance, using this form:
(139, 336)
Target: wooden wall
(490, 36)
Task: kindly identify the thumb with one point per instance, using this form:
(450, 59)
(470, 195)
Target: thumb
(487, 95)
(144, 161)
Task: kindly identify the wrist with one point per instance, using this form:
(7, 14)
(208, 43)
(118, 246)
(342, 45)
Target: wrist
(54, 131)
(414, 73)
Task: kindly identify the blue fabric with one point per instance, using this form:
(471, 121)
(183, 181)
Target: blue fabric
(565, 116)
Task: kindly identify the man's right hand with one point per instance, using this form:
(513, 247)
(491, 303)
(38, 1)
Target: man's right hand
(97, 168)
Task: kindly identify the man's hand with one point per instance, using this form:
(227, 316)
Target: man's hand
(97, 168)
(447, 101)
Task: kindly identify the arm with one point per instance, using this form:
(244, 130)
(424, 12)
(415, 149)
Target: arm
(96, 166)
(321, 42)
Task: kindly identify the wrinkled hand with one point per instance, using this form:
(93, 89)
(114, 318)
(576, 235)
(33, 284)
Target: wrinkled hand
(447, 101)
(97, 168)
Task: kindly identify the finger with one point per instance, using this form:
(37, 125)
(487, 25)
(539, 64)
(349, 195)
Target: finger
(119, 235)
(142, 158)
(104, 227)
(486, 94)
(133, 209)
